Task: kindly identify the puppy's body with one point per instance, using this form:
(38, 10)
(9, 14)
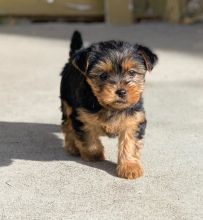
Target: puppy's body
(101, 94)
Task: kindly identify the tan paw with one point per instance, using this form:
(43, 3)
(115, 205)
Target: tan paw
(93, 156)
(72, 150)
(129, 170)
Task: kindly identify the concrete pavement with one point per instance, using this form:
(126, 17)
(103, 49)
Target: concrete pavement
(39, 181)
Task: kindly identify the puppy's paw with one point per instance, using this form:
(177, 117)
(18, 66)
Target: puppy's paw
(93, 156)
(72, 150)
(129, 170)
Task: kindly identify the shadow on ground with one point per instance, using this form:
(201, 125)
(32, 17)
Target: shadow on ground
(170, 37)
(38, 142)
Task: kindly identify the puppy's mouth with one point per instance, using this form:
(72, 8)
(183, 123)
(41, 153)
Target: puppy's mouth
(120, 104)
(120, 101)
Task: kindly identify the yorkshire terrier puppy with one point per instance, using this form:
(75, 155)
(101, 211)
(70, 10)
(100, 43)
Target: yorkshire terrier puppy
(101, 94)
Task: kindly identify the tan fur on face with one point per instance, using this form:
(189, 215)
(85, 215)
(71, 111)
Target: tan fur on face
(129, 63)
(105, 66)
(136, 86)
(134, 90)
(106, 94)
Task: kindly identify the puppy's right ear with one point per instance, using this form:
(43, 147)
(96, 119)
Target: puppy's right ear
(80, 60)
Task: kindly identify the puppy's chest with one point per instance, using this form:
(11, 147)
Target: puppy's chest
(111, 123)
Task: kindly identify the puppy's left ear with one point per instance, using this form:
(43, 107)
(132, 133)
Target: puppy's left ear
(80, 60)
(150, 59)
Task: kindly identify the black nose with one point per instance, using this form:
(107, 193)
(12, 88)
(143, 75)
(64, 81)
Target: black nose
(121, 93)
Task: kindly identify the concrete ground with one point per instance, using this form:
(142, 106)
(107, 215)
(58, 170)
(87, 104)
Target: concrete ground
(39, 181)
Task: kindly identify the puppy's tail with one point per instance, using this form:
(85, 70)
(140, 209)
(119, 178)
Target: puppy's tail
(76, 43)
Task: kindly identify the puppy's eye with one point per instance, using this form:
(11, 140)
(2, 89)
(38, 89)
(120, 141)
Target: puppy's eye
(103, 76)
(131, 73)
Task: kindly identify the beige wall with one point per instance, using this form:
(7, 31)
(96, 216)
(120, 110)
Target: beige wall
(115, 11)
(52, 7)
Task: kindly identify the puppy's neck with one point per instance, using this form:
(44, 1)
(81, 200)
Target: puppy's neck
(109, 114)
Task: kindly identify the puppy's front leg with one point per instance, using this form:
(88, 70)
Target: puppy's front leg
(129, 165)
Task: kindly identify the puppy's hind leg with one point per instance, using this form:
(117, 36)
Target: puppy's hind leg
(69, 143)
(90, 147)
(69, 133)
(87, 137)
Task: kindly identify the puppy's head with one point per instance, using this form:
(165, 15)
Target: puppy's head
(115, 71)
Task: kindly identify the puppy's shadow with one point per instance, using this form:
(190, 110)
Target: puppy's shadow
(106, 165)
(38, 142)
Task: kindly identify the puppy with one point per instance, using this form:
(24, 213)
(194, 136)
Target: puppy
(101, 94)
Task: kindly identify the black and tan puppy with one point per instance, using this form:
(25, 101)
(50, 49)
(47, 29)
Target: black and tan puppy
(101, 94)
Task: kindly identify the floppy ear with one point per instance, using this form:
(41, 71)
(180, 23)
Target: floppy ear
(150, 59)
(80, 60)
